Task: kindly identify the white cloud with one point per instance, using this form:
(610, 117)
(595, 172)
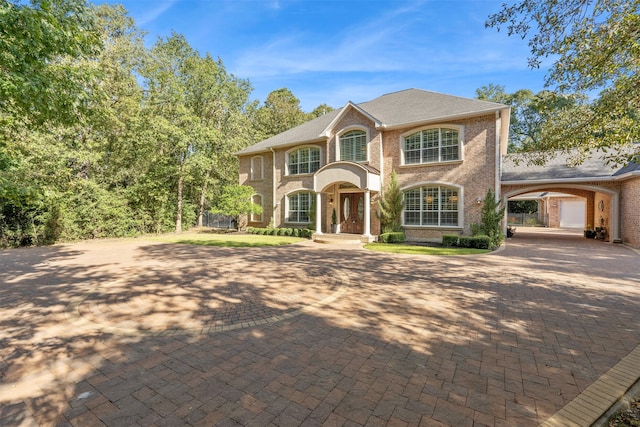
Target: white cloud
(152, 14)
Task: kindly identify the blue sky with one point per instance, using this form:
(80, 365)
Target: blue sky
(334, 51)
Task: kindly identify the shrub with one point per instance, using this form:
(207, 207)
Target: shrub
(250, 230)
(465, 241)
(449, 240)
(481, 242)
(296, 232)
(392, 237)
(289, 231)
(282, 231)
(492, 215)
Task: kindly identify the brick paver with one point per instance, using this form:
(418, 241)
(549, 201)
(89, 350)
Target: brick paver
(139, 333)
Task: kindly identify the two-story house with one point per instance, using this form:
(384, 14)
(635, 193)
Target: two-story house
(444, 149)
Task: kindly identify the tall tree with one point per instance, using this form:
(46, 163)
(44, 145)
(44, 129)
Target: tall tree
(596, 49)
(281, 111)
(391, 206)
(39, 43)
(531, 115)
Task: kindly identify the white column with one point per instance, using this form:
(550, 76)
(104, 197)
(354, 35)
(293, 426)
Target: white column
(367, 213)
(318, 213)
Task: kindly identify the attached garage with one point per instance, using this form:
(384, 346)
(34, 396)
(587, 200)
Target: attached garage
(572, 213)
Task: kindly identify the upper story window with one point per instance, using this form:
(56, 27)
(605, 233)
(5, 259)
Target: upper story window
(353, 146)
(299, 207)
(303, 160)
(257, 168)
(432, 145)
(432, 206)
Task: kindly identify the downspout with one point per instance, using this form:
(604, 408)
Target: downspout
(498, 167)
(273, 186)
(381, 161)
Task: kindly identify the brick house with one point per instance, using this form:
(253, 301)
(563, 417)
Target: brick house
(447, 152)
(444, 149)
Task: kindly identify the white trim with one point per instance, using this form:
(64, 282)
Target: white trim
(459, 128)
(297, 148)
(252, 175)
(261, 205)
(350, 128)
(436, 120)
(327, 131)
(286, 205)
(461, 204)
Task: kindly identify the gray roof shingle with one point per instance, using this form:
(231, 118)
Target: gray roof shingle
(406, 107)
(516, 168)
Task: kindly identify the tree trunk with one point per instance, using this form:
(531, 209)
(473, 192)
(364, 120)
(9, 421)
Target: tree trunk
(203, 198)
(179, 207)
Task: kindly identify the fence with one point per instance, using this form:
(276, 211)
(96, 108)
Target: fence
(523, 219)
(218, 220)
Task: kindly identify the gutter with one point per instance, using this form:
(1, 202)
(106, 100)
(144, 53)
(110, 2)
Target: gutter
(557, 181)
(440, 119)
(273, 185)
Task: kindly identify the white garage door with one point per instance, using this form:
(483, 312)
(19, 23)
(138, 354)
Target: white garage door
(572, 213)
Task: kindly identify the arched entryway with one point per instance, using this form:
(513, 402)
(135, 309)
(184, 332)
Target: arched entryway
(601, 204)
(348, 188)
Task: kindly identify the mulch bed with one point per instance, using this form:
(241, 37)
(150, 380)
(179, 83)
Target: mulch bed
(629, 417)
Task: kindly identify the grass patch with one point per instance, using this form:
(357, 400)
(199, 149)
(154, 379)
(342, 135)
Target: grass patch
(422, 250)
(229, 240)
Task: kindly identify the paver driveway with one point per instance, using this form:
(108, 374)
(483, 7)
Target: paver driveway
(135, 333)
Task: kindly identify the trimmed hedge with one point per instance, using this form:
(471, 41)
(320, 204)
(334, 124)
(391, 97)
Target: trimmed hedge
(295, 232)
(449, 240)
(393, 237)
(478, 242)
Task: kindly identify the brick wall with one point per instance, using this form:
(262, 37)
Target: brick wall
(475, 174)
(261, 186)
(630, 208)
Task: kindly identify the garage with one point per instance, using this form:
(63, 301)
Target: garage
(572, 213)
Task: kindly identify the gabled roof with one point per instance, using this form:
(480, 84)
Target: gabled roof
(595, 167)
(394, 110)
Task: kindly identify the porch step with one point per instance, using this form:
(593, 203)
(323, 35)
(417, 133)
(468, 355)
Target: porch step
(341, 239)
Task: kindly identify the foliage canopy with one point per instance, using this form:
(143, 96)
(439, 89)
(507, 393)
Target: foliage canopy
(595, 46)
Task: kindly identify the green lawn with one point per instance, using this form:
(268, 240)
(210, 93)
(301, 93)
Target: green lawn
(232, 240)
(237, 240)
(422, 250)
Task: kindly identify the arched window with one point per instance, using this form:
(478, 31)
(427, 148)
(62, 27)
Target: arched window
(353, 146)
(303, 160)
(432, 206)
(257, 168)
(299, 207)
(257, 199)
(432, 145)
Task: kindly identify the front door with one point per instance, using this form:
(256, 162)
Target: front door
(352, 213)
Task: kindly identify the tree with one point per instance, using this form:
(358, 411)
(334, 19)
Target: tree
(531, 114)
(391, 205)
(39, 45)
(490, 219)
(235, 200)
(319, 111)
(595, 46)
(281, 111)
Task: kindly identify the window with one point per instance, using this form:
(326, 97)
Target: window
(431, 146)
(304, 160)
(353, 146)
(299, 207)
(257, 199)
(435, 206)
(257, 168)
